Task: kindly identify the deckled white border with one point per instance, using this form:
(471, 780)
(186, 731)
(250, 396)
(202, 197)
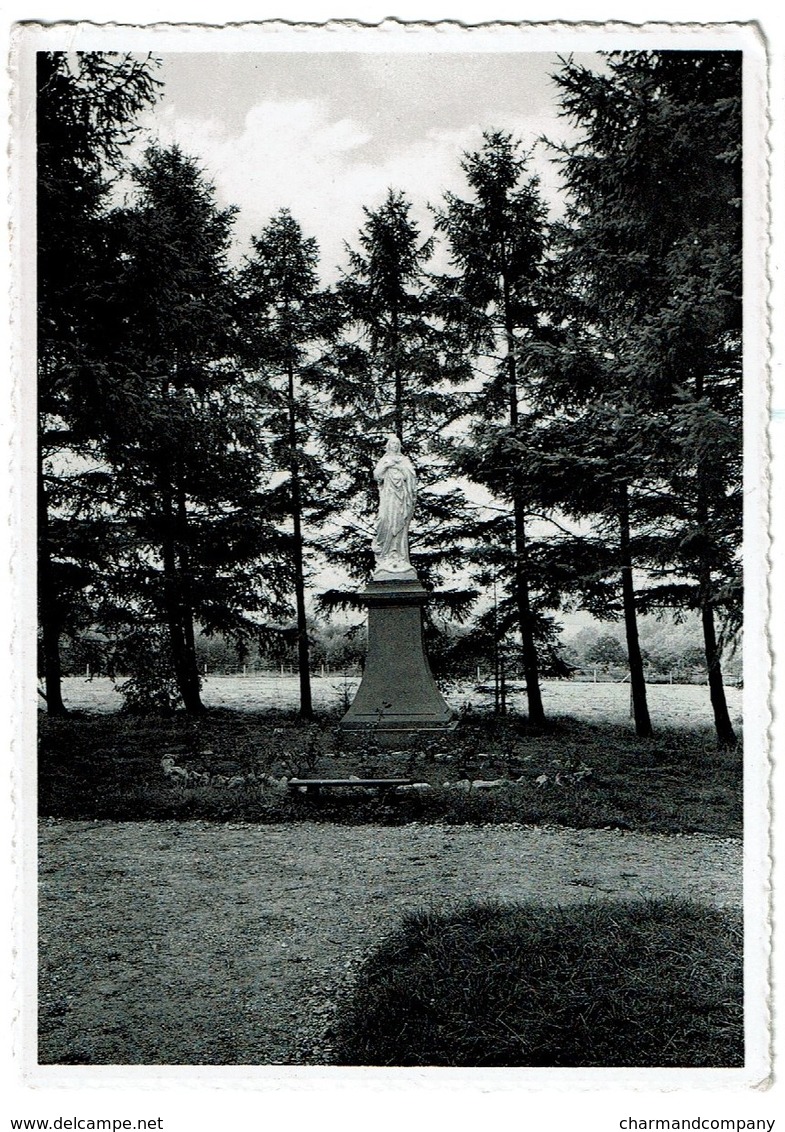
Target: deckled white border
(281, 36)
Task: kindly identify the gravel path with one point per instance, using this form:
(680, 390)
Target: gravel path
(195, 943)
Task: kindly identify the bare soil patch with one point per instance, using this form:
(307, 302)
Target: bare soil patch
(226, 944)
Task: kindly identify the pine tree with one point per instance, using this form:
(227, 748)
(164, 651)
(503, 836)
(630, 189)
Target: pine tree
(86, 104)
(288, 328)
(187, 457)
(585, 463)
(393, 374)
(497, 241)
(653, 243)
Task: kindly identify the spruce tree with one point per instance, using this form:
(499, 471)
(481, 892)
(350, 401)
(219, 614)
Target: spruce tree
(189, 463)
(393, 377)
(86, 105)
(497, 242)
(288, 327)
(652, 244)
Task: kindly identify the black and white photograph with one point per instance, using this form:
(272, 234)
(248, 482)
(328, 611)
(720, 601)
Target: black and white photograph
(393, 403)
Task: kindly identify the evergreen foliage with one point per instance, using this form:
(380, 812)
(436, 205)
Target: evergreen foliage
(395, 376)
(497, 242)
(647, 298)
(188, 460)
(570, 393)
(288, 326)
(85, 109)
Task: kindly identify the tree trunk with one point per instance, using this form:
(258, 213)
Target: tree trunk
(528, 647)
(191, 682)
(521, 581)
(637, 679)
(178, 617)
(726, 736)
(496, 701)
(48, 609)
(303, 651)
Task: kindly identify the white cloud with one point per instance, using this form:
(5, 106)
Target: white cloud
(293, 154)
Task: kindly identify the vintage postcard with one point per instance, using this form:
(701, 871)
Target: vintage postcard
(390, 410)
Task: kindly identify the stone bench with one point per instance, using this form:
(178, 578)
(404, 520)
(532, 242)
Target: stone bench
(316, 785)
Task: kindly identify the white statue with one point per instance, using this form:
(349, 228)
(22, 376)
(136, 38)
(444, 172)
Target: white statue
(397, 482)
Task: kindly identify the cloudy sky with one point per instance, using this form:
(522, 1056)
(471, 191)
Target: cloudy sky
(326, 133)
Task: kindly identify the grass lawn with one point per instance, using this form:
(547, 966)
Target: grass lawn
(636, 984)
(575, 773)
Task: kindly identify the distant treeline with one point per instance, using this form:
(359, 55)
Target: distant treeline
(669, 653)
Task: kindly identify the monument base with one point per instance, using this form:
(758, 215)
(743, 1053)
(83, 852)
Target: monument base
(397, 694)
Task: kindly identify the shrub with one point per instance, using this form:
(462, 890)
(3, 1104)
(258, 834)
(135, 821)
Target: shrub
(649, 983)
(151, 688)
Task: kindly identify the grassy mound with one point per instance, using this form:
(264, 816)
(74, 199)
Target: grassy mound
(568, 773)
(650, 983)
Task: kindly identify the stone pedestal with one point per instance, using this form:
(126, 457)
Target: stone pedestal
(398, 692)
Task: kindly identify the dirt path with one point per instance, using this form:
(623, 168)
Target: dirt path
(195, 943)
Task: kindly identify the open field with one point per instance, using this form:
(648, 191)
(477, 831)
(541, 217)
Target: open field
(671, 705)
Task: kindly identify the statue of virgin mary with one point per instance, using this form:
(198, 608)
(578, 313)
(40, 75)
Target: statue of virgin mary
(397, 482)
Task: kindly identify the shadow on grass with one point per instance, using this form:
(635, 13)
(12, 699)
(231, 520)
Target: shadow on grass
(634, 984)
